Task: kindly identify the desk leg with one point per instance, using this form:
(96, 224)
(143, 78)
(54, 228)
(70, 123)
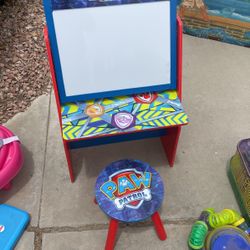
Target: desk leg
(159, 228)
(70, 167)
(113, 227)
(170, 142)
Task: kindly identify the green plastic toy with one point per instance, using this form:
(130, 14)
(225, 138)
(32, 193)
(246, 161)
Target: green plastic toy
(210, 220)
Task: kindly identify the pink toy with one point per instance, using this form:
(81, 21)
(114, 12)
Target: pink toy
(11, 158)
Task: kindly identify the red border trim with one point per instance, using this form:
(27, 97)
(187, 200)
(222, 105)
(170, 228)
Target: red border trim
(53, 75)
(179, 57)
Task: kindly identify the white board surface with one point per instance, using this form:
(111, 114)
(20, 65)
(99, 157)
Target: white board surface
(114, 47)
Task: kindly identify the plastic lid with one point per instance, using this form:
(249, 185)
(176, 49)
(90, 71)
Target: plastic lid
(229, 239)
(244, 150)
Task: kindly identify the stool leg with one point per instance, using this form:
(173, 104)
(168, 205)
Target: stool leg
(110, 241)
(159, 228)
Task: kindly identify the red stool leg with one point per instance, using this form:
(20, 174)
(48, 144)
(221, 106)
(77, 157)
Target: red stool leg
(170, 142)
(159, 228)
(110, 241)
(95, 201)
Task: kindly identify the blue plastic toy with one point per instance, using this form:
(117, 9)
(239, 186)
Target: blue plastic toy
(13, 222)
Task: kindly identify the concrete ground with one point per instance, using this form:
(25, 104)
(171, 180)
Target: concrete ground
(216, 89)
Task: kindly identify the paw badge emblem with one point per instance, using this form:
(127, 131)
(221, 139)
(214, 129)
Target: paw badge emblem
(123, 120)
(94, 110)
(146, 98)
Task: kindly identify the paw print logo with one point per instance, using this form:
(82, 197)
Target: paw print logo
(124, 183)
(2, 227)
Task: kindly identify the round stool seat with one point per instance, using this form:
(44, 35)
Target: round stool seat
(129, 190)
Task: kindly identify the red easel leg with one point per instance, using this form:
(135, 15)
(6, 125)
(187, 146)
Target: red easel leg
(67, 153)
(159, 228)
(110, 241)
(170, 142)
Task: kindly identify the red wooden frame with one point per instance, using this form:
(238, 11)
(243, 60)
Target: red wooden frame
(169, 141)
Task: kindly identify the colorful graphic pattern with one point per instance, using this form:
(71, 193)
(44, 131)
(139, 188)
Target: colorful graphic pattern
(72, 4)
(122, 114)
(129, 190)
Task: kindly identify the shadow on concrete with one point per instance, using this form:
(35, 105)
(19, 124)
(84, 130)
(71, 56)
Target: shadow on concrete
(22, 178)
(89, 158)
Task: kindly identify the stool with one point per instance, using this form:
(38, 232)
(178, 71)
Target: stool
(129, 191)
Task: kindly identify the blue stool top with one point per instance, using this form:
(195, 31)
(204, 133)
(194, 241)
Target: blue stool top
(129, 190)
